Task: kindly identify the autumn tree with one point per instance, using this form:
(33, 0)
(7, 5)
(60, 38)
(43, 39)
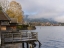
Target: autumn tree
(15, 11)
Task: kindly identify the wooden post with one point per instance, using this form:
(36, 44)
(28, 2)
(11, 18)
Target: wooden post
(2, 40)
(39, 44)
(27, 44)
(31, 46)
(23, 45)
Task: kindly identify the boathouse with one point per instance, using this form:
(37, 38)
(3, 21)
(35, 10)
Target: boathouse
(13, 38)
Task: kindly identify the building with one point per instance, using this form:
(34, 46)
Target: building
(11, 37)
(4, 22)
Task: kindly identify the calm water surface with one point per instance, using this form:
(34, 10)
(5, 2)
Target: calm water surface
(51, 36)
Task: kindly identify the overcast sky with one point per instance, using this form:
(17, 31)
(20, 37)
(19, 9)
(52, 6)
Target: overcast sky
(44, 9)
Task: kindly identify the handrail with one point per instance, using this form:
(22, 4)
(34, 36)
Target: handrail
(21, 35)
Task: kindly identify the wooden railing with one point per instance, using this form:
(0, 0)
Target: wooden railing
(19, 36)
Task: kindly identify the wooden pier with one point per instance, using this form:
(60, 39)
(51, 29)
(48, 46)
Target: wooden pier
(19, 37)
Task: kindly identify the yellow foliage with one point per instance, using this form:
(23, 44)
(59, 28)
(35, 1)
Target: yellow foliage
(20, 18)
(15, 11)
(10, 13)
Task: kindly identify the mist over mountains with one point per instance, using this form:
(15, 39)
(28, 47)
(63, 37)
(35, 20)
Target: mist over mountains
(44, 20)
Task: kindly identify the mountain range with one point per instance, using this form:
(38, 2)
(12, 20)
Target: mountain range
(44, 20)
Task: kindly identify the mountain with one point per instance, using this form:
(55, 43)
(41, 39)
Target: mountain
(39, 20)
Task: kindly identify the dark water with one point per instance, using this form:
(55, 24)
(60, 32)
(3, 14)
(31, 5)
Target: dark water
(51, 36)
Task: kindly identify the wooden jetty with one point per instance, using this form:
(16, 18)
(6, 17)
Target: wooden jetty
(19, 37)
(13, 37)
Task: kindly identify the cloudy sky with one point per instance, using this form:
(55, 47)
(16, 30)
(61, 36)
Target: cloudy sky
(43, 9)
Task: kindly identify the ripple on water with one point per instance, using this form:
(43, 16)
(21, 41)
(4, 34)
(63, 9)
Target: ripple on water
(47, 46)
(53, 44)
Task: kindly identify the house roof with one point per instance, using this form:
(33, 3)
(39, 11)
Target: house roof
(4, 16)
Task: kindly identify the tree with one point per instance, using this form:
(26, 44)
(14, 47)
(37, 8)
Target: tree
(4, 4)
(10, 13)
(0, 8)
(15, 11)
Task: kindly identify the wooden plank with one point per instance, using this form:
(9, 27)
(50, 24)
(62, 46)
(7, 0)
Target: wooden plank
(23, 45)
(27, 44)
(19, 41)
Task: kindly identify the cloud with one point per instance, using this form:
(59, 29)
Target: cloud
(60, 19)
(43, 8)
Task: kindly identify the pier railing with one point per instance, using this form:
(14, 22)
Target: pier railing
(22, 36)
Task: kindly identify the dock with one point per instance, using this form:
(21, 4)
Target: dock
(19, 37)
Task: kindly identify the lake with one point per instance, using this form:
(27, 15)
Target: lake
(51, 36)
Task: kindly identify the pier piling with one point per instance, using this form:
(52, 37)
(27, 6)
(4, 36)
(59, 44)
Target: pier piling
(27, 44)
(23, 45)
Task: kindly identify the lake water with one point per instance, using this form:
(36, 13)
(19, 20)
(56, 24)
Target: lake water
(51, 36)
